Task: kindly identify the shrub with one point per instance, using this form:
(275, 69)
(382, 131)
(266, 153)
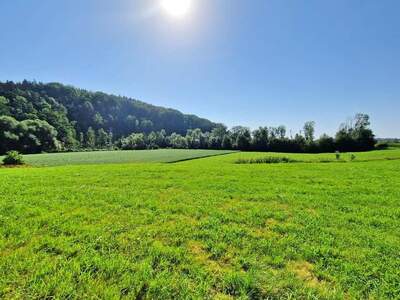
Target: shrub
(337, 154)
(265, 160)
(382, 146)
(352, 157)
(13, 158)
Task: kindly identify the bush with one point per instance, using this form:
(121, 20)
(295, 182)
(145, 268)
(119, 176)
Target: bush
(337, 155)
(382, 146)
(13, 158)
(265, 160)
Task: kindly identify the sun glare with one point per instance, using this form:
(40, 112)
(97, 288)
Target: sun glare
(177, 8)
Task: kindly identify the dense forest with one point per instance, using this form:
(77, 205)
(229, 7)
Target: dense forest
(37, 117)
(47, 117)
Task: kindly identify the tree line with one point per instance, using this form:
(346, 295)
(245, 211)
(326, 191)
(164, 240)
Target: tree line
(354, 135)
(36, 117)
(71, 112)
(35, 136)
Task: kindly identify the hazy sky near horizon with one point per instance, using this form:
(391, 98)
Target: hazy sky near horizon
(251, 63)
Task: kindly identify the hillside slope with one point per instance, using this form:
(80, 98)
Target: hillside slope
(71, 111)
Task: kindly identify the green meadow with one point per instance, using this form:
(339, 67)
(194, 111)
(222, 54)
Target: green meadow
(118, 157)
(112, 225)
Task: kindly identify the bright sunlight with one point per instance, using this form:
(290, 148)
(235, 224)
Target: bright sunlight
(177, 8)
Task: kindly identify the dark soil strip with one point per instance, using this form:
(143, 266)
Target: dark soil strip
(201, 157)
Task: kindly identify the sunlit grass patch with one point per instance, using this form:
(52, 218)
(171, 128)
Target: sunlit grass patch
(118, 157)
(202, 229)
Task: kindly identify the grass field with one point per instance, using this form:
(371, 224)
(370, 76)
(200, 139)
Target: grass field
(392, 154)
(203, 229)
(114, 157)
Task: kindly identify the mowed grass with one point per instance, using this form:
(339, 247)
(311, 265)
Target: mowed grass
(202, 229)
(378, 155)
(113, 157)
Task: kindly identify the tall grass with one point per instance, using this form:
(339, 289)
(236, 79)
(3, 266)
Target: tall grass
(265, 160)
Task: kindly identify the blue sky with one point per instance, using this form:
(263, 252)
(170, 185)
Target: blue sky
(257, 62)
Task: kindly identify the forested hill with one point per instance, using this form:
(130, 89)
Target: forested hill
(36, 117)
(72, 111)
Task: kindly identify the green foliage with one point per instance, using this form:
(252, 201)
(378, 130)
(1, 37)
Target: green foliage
(261, 138)
(326, 144)
(13, 158)
(53, 117)
(28, 136)
(90, 138)
(216, 138)
(9, 134)
(382, 146)
(309, 131)
(265, 160)
(355, 135)
(195, 139)
(203, 229)
(337, 155)
(241, 137)
(135, 141)
(178, 142)
(226, 142)
(70, 111)
(4, 110)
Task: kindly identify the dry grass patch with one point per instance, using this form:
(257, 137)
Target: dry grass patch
(221, 296)
(304, 271)
(203, 257)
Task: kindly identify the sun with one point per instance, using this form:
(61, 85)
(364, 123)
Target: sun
(177, 8)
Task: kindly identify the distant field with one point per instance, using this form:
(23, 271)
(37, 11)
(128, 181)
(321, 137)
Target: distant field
(393, 154)
(117, 157)
(172, 155)
(203, 229)
(394, 145)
